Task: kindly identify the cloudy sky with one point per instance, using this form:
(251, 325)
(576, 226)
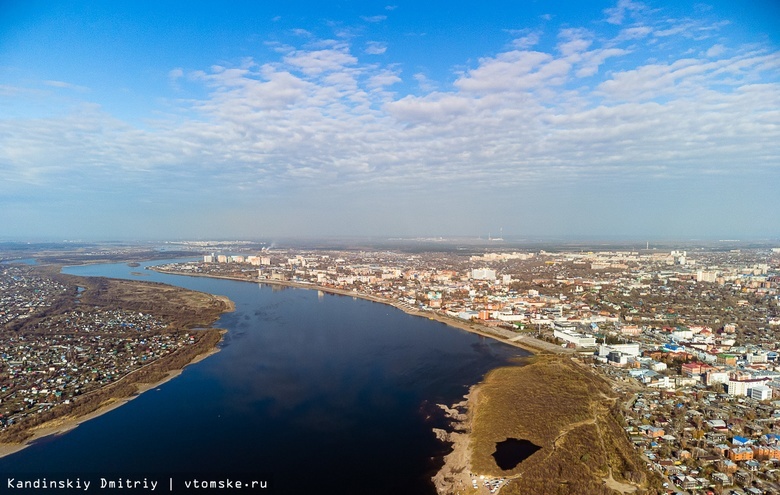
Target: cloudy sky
(161, 120)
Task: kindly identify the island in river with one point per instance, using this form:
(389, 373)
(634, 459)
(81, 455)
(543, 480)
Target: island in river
(76, 347)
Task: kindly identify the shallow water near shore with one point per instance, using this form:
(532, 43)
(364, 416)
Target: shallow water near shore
(318, 393)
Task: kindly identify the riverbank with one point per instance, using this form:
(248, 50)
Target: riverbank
(508, 337)
(454, 477)
(186, 316)
(65, 424)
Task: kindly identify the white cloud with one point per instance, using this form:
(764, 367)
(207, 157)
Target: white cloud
(375, 48)
(325, 131)
(634, 33)
(525, 42)
(591, 61)
(384, 78)
(436, 107)
(524, 38)
(318, 61)
(426, 84)
(716, 50)
(674, 29)
(514, 70)
(318, 118)
(684, 77)
(617, 14)
(574, 41)
(694, 29)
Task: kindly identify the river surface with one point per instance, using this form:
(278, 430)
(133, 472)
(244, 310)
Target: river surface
(317, 393)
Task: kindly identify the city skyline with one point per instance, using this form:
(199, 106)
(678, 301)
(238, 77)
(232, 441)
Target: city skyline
(612, 119)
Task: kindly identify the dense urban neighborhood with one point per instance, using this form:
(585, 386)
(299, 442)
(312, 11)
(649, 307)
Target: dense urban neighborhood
(688, 337)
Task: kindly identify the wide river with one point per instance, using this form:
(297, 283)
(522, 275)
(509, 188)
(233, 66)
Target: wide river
(317, 393)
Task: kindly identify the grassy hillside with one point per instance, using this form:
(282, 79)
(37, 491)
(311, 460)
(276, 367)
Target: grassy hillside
(572, 414)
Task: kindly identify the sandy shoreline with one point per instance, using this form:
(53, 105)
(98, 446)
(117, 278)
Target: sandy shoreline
(63, 425)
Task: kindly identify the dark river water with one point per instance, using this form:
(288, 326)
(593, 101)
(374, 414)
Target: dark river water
(311, 392)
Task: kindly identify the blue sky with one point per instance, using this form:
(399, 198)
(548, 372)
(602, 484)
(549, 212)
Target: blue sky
(159, 120)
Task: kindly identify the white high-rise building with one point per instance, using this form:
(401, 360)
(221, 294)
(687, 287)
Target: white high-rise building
(762, 392)
(483, 274)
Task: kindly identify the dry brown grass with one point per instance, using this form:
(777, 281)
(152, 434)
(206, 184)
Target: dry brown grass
(181, 307)
(567, 410)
